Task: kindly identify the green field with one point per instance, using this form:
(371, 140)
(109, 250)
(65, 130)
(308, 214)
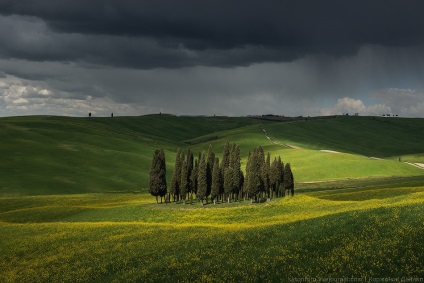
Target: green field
(74, 205)
(60, 155)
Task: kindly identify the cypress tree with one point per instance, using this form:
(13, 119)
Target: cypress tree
(235, 164)
(176, 177)
(246, 178)
(228, 182)
(216, 181)
(225, 157)
(254, 184)
(280, 166)
(184, 181)
(274, 176)
(193, 178)
(265, 174)
(202, 183)
(157, 180)
(280, 170)
(189, 170)
(209, 169)
(288, 181)
(162, 175)
(261, 160)
(241, 184)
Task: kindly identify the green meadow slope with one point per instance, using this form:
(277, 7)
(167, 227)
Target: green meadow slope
(74, 205)
(60, 155)
(382, 137)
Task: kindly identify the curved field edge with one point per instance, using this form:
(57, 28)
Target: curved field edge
(135, 209)
(374, 242)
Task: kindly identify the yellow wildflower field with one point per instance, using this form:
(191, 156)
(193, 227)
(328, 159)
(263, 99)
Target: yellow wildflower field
(126, 237)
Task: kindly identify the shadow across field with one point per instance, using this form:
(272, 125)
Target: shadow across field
(363, 189)
(355, 194)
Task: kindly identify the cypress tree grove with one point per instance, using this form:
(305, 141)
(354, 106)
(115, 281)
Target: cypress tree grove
(208, 177)
(216, 181)
(157, 181)
(202, 183)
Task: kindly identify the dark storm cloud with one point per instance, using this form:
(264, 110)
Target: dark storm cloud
(237, 57)
(167, 33)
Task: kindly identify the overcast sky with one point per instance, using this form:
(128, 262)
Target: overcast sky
(238, 57)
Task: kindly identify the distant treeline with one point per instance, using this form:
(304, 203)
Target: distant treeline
(206, 177)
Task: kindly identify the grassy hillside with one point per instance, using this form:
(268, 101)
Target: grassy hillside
(59, 155)
(48, 155)
(352, 216)
(124, 237)
(370, 136)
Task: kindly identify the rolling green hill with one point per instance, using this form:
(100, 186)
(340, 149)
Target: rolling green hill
(74, 205)
(371, 136)
(59, 155)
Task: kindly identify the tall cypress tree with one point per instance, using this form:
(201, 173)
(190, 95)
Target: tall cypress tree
(241, 184)
(216, 181)
(225, 157)
(202, 183)
(265, 174)
(280, 169)
(209, 169)
(255, 183)
(235, 164)
(190, 166)
(246, 177)
(193, 178)
(261, 161)
(184, 181)
(162, 175)
(224, 165)
(274, 176)
(176, 177)
(228, 182)
(288, 181)
(157, 180)
(280, 166)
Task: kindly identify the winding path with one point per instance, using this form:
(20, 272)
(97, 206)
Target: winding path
(418, 165)
(274, 142)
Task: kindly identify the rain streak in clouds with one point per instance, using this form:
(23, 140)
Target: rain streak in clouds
(211, 57)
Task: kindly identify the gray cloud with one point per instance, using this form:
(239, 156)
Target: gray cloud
(216, 57)
(165, 33)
